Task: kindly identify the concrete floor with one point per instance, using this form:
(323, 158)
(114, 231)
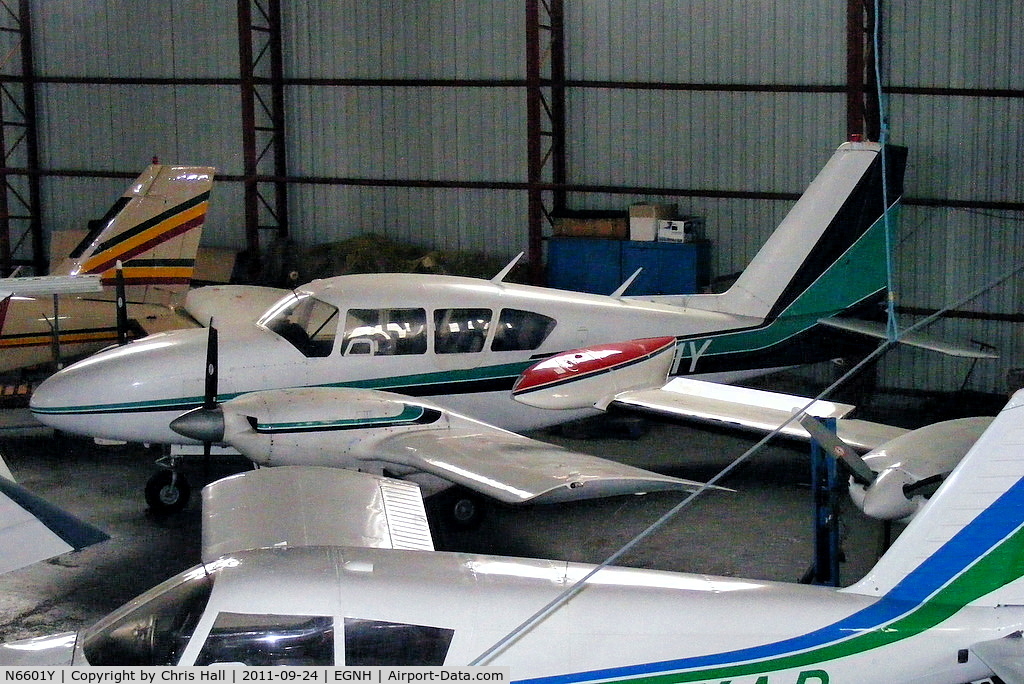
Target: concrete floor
(762, 530)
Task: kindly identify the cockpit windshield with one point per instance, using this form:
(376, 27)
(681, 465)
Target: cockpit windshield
(154, 628)
(307, 323)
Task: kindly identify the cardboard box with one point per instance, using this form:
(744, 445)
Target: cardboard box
(643, 219)
(581, 225)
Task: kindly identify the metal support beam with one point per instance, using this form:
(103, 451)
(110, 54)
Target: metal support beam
(545, 112)
(21, 232)
(862, 106)
(263, 129)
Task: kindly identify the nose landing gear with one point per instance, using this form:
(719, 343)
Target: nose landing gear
(168, 491)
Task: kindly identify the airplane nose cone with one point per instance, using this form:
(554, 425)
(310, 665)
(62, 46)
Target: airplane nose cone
(201, 424)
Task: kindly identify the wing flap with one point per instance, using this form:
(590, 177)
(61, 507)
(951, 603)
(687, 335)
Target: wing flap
(311, 506)
(516, 470)
(749, 409)
(878, 331)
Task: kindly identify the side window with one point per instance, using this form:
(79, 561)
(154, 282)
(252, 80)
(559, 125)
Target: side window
(373, 642)
(385, 332)
(269, 640)
(308, 324)
(521, 330)
(459, 331)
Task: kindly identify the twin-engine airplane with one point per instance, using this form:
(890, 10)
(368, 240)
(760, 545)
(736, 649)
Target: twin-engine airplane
(313, 566)
(890, 482)
(153, 230)
(297, 387)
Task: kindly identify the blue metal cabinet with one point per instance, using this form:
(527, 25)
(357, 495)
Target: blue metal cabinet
(585, 264)
(600, 266)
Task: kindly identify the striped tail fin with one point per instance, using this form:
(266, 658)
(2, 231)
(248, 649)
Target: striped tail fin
(828, 254)
(966, 545)
(153, 230)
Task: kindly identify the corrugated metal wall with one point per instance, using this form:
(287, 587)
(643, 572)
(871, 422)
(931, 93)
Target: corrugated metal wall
(774, 117)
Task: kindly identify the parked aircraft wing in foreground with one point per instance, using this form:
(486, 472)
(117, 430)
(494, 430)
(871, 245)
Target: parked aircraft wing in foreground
(32, 529)
(944, 605)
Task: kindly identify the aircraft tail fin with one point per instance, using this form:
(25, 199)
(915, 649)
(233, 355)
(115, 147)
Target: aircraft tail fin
(153, 229)
(828, 254)
(964, 546)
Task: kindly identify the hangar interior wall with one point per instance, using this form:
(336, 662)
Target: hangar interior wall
(760, 107)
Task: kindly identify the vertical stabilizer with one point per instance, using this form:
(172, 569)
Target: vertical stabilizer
(966, 545)
(827, 254)
(153, 230)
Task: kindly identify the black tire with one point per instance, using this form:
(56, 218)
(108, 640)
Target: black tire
(167, 493)
(464, 509)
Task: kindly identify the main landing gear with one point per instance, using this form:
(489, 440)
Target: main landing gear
(168, 491)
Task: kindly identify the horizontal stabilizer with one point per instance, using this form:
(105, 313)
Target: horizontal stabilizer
(1005, 657)
(311, 506)
(878, 331)
(50, 285)
(32, 530)
(517, 470)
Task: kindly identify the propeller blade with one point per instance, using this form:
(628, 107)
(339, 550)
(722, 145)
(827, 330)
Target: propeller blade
(121, 304)
(210, 392)
(930, 483)
(839, 449)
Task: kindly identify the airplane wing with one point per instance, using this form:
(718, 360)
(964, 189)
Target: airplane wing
(750, 410)
(32, 529)
(1005, 657)
(351, 427)
(311, 506)
(878, 331)
(516, 470)
(633, 377)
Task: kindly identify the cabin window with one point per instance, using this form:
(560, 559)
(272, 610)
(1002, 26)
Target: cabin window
(373, 642)
(521, 330)
(457, 331)
(385, 332)
(153, 629)
(308, 323)
(269, 640)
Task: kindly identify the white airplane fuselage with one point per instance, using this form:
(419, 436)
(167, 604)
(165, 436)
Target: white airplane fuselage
(462, 342)
(626, 623)
(133, 392)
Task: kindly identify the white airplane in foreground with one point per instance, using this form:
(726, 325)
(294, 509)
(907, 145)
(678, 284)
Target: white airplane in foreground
(153, 230)
(890, 482)
(313, 566)
(327, 374)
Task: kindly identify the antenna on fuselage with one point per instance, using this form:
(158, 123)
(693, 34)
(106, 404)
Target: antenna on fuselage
(621, 289)
(505, 271)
